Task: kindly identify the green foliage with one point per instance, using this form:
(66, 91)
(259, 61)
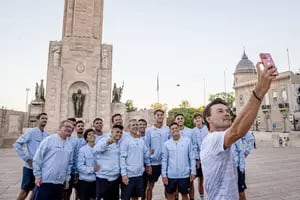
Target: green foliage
(227, 96)
(129, 106)
(185, 104)
(187, 111)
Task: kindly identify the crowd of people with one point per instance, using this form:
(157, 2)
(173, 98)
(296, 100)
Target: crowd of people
(127, 162)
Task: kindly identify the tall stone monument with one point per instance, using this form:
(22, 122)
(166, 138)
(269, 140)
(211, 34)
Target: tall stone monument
(79, 67)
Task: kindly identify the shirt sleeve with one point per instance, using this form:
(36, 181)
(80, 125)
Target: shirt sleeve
(196, 148)
(39, 158)
(192, 159)
(101, 146)
(249, 140)
(19, 144)
(146, 154)
(164, 162)
(123, 157)
(216, 142)
(70, 165)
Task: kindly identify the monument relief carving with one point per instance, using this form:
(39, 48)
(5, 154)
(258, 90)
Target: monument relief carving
(56, 55)
(80, 68)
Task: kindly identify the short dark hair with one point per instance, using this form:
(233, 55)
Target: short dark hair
(197, 115)
(173, 123)
(158, 110)
(207, 110)
(61, 124)
(86, 132)
(178, 114)
(118, 126)
(72, 119)
(142, 120)
(115, 115)
(79, 122)
(97, 119)
(39, 115)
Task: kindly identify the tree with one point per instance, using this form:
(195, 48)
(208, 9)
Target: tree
(226, 96)
(188, 115)
(129, 106)
(185, 104)
(156, 106)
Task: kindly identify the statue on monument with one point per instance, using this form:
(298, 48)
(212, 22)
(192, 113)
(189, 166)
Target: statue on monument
(36, 92)
(78, 102)
(42, 91)
(117, 93)
(39, 92)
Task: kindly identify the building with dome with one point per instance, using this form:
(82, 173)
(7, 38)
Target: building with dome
(280, 108)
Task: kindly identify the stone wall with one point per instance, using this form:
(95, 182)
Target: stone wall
(11, 125)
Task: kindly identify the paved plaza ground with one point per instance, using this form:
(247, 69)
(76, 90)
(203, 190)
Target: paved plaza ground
(272, 173)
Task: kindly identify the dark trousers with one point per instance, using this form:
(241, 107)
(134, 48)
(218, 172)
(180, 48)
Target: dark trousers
(107, 190)
(87, 190)
(48, 191)
(135, 188)
(67, 192)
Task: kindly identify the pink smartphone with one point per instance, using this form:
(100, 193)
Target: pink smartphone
(267, 61)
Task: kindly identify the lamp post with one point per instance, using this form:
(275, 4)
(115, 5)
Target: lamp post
(26, 107)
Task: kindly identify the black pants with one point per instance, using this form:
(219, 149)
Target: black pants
(87, 190)
(107, 190)
(48, 191)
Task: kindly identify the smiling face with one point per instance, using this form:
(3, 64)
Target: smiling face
(91, 136)
(98, 125)
(133, 127)
(198, 121)
(219, 118)
(142, 127)
(116, 133)
(117, 120)
(66, 129)
(175, 131)
(179, 119)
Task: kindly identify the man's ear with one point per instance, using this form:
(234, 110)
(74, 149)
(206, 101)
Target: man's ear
(208, 119)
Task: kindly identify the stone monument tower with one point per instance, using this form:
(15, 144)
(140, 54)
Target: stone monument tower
(79, 67)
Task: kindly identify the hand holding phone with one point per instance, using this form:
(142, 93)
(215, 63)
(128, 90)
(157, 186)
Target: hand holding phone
(268, 62)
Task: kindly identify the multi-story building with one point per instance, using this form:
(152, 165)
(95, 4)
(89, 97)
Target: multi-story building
(280, 108)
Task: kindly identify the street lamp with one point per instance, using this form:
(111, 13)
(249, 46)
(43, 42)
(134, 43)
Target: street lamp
(26, 106)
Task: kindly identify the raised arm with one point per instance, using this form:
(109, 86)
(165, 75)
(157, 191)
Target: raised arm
(245, 119)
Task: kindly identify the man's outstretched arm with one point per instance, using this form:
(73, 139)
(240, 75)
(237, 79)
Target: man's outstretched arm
(245, 119)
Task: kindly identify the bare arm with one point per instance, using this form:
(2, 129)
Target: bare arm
(245, 119)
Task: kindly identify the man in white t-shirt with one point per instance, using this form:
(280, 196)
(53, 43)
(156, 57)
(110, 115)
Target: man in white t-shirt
(217, 161)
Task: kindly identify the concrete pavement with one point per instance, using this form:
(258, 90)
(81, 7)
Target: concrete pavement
(271, 173)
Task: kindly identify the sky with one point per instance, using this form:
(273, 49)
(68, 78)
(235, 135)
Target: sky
(192, 43)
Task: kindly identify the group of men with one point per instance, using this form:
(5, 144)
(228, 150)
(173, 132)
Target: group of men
(100, 165)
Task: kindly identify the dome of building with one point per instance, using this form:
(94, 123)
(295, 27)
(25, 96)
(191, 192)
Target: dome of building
(245, 65)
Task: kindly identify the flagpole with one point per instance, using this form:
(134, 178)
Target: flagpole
(157, 87)
(288, 57)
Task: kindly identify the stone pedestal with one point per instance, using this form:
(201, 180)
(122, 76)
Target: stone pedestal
(35, 108)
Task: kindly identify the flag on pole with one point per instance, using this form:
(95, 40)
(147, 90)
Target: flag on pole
(157, 83)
